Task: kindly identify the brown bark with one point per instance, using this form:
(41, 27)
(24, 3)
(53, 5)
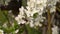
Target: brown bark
(49, 31)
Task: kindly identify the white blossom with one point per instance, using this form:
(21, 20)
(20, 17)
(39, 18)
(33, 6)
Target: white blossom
(55, 29)
(31, 24)
(1, 31)
(5, 25)
(17, 31)
(53, 9)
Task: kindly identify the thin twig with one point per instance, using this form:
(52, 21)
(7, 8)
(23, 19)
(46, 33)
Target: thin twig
(49, 31)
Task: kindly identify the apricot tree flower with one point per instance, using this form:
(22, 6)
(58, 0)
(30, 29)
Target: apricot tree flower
(34, 8)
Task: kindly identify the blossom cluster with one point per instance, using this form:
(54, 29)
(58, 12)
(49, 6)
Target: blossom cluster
(52, 5)
(26, 16)
(1, 31)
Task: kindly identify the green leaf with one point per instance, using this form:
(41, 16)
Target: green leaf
(2, 17)
(24, 3)
(35, 15)
(32, 30)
